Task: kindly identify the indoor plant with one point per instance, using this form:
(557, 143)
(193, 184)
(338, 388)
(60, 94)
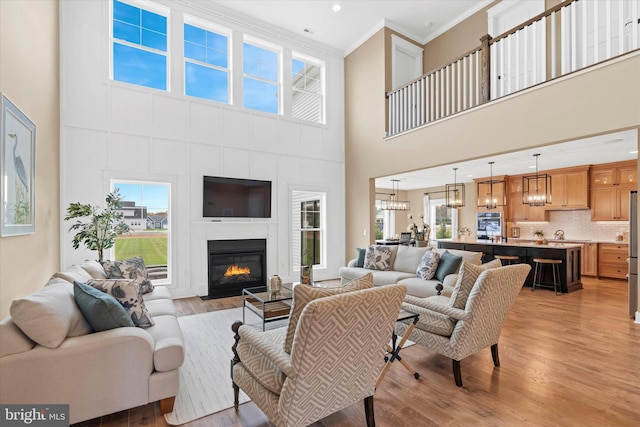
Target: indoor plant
(539, 236)
(97, 230)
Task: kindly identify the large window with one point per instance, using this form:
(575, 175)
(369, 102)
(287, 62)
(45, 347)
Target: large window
(443, 220)
(146, 209)
(139, 46)
(385, 222)
(308, 213)
(206, 63)
(261, 77)
(307, 88)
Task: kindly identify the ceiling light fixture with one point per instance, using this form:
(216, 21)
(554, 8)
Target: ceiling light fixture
(492, 193)
(536, 189)
(393, 204)
(455, 192)
(336, 7)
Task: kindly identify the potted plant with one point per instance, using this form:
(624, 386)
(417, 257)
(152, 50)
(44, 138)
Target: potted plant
(539, 236)
(97, 230)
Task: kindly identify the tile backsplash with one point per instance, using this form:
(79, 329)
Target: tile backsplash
(576, 225)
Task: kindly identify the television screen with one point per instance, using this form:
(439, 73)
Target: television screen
(236, 198)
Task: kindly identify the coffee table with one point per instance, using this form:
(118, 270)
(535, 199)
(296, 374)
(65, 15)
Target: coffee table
(266, 306)
(393, 350)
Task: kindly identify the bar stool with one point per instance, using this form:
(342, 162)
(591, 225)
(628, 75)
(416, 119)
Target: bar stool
(538, 270)
(508, 258)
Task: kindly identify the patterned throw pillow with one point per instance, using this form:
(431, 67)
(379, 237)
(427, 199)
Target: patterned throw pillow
(101, 310)
(133, 268)
(378, 258)
(302, 295)
(128, 293)
(428, 265)
(469, 273)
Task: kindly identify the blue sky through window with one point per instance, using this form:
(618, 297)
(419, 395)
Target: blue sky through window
(154, 197)
(209, 78)
(260, 84)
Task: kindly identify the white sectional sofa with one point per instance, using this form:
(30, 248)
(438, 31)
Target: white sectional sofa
(404, 263)
(96, 373)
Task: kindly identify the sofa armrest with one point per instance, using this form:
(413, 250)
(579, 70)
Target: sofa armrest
(274, 351)
(351, 263)
(418, 305)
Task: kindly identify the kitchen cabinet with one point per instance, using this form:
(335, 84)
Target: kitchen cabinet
(589, 259)
(487, 192)
(518, 211)
(569, 188)
(610, 187)
(612, 260)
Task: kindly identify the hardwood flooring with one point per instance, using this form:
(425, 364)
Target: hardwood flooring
(569, 360)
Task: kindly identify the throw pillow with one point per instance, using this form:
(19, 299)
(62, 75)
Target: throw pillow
(101, 310)
(469, 273)
(133, 268)
(428, 265)
(129, 295)
(360, 257)
(302, 295)
(378, 258)
(49, 315)
(448, 265)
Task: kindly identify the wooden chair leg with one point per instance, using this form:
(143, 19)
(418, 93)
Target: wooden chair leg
(368, 411)
(166, 405)
(457, 374)
(236, 359)
(494, 354)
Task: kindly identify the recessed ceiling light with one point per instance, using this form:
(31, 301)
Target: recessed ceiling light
(336, 7)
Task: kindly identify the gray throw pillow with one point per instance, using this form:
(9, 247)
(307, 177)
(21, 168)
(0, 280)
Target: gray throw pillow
(448, 265)
(360, 257)
(101, 310)
(428, 265)
(378, 258)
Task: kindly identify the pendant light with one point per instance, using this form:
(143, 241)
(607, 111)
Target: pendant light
(492, 193)
(393, 204)
(536, 189)
(455, 192)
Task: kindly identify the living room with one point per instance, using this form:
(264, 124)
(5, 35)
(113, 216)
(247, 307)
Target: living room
(92, 130)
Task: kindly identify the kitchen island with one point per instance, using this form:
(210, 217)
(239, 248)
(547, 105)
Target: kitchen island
(568, 253)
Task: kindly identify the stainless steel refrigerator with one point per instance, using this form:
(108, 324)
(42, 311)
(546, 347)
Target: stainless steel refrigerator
(633, 253)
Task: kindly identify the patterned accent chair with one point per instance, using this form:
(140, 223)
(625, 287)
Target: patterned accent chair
(458, 333)
(336, 356)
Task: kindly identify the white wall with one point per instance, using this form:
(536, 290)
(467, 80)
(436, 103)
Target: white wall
(115, 130)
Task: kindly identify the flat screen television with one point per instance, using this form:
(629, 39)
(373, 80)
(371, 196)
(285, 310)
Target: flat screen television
(236, 198)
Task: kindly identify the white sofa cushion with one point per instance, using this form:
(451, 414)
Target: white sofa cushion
(379, 277)
(49, 315)
(168, 350)
(420, 288)
(12, 338)
(73, 273)
(94, 268)
(408, 258)
(158, 292)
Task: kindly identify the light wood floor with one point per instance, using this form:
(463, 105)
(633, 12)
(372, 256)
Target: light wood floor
(569, 360)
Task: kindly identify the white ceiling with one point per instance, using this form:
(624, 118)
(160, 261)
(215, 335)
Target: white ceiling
(357, 20)
(600, 149)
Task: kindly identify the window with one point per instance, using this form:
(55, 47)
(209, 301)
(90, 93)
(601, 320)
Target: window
(206, 63)
(139, 46)
(307, 89)
(146, 209)
(385, 222)
(261, 82)
(308, 212)
(443, 220)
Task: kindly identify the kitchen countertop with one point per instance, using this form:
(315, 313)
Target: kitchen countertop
(521, 239)
(522, 243)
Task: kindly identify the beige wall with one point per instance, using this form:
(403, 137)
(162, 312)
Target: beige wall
(29, 77)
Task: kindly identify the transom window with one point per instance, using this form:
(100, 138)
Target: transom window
(307, 88)
(261, 77)
(139, 46)
(206, 67)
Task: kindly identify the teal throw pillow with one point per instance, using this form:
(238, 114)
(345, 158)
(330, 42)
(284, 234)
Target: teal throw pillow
(360, 257)
(448, 265)
(100, 309)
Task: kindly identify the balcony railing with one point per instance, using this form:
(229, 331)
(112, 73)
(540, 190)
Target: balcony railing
(568, 37)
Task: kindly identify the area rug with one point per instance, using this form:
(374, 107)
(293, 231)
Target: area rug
(205, 381)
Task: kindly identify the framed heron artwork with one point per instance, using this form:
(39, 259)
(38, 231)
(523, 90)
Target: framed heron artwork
(17, 171)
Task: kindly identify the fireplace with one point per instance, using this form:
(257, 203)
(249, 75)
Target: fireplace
(234, 265)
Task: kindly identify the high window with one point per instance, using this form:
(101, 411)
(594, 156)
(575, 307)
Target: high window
(206, 62)
(139, 41)
(308, 213)
(307, 88)
(261, 76)
(147, 211)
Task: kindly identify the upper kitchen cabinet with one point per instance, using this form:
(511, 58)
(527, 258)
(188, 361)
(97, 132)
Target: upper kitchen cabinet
(518, 211)
(610, 187)
(491, 196)
(569, 188)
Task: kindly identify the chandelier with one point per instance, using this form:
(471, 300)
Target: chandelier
(455, 192)
(492, 193)
(393, 204)
(536, 189)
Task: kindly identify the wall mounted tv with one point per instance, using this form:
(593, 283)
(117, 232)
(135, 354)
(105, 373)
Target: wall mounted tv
(236, 198)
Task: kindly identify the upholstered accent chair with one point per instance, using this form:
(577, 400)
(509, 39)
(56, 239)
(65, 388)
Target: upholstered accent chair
(460, 332)
(336, 356)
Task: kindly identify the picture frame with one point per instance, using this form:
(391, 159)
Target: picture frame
(17, 171)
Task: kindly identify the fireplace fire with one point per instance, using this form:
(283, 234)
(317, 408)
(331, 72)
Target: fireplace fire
(235, 265)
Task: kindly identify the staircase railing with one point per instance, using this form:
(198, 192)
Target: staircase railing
(570, 36)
